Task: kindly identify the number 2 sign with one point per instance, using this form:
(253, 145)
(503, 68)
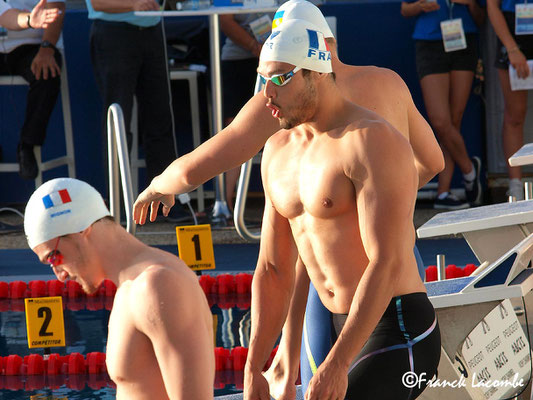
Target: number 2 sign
(195, 246)
(44, 322)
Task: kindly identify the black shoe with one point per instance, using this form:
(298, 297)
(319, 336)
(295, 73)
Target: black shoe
(27, 162)
(473, 188)
(450, 202)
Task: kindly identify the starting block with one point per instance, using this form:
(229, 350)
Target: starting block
(489, 230)
(469, 308)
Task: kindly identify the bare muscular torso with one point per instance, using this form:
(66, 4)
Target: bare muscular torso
(131, 359)
(307, 182)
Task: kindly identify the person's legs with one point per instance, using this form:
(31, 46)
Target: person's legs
(436, 89)
(513, 122)
(460, 88)
(154, 100)
(41, 100)
(436, 92)
(116, 64)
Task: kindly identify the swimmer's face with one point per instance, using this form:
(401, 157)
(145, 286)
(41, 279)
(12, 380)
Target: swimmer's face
(292, 103)
(72, 263)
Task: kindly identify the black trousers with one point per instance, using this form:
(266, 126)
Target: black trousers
(130, 61)
(42, 93)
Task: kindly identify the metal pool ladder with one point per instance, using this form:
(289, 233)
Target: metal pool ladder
(117, 150)
(242, 192)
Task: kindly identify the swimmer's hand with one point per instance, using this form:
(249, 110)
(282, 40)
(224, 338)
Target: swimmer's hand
(329, 383)
(255, 386)
(282, 386)
(150, 197)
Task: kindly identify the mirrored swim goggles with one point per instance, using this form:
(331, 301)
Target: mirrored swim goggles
(281, 79)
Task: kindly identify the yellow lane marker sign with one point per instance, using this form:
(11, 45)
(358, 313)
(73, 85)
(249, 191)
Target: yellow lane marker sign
(195, 246)
(44, 322)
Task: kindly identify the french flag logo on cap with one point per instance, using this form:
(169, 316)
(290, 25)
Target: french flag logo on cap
(55, 199)
(318, 48)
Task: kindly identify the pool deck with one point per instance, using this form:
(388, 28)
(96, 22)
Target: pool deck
(163, 232)
(232, 253)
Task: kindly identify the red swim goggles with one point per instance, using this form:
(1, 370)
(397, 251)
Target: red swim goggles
(55, 258)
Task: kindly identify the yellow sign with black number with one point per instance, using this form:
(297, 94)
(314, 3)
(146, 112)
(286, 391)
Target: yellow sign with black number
(44, 322)
(195, 246)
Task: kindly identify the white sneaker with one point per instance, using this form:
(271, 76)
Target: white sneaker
(516, 189)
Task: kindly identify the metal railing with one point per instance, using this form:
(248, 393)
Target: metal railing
(117, 149)
(242, 192)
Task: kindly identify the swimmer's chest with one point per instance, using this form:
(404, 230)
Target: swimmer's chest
(311, 182)
(129, 352)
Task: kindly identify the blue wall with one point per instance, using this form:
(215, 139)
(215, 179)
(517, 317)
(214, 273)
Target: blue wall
(368, 34)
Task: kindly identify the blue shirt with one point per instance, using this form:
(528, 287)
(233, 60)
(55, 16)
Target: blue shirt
(508, 5)
(428, 24)
(128, 17)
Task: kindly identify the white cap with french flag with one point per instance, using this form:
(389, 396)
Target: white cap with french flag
(300, 43)
(60, 207)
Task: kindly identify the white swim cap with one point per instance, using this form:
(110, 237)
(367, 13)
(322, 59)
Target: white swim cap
(60, 207)
(302, 9)
(299, 43)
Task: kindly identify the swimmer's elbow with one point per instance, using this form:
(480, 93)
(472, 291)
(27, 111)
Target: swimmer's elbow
(437, 164)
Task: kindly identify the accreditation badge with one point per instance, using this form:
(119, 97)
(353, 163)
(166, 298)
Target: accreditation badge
(523, 19)
(261, 28)
(453, 35)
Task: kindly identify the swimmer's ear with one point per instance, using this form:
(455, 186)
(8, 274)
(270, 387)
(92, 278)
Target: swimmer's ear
(87, 231)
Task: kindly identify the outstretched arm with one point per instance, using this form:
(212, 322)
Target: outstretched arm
(231, 147)
(283, 372)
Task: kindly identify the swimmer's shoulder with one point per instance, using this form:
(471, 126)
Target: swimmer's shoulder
(371, 129)
(164, 271)
(373, 78)
(276, 141)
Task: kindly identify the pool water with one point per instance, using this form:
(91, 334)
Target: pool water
(86, 332)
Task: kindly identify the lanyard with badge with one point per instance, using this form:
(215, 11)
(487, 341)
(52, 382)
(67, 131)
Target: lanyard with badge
(523, 19)
(453, 34)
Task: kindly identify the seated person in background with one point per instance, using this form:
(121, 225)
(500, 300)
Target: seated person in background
(16, 20)
(160, 340)
(334, 176)
(33, 55)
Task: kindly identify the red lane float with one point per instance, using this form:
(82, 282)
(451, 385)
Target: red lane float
(452, 271)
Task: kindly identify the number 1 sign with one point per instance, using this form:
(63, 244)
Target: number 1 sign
(195, 246)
